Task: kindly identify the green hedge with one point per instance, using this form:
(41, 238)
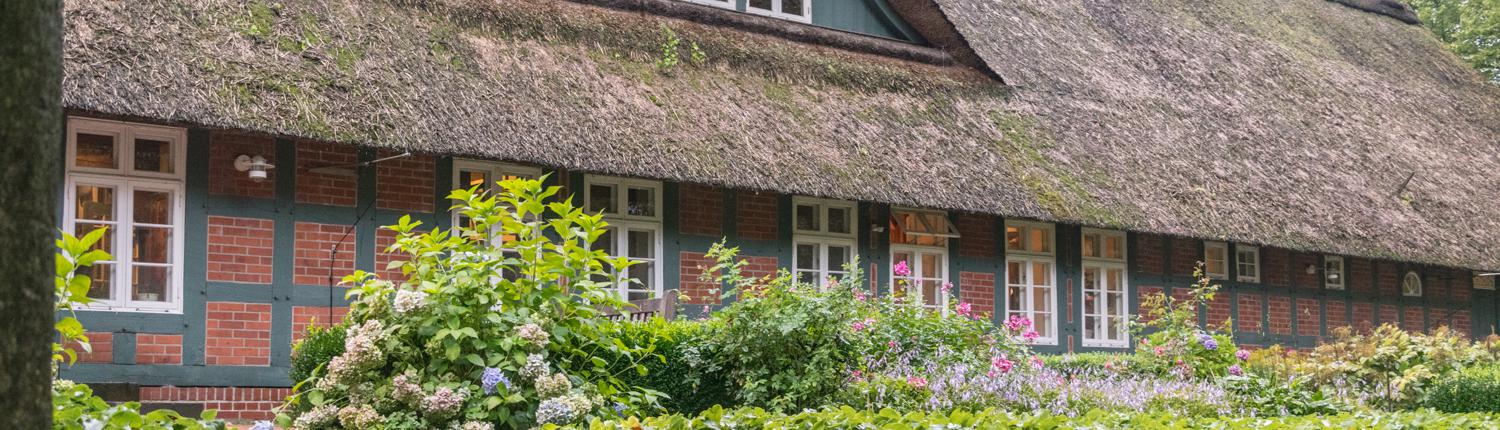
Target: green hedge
(1476, 389)
(847, 418)
(317, 348)
(684, 367)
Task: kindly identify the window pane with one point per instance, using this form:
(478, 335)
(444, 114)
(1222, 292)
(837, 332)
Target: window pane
(1041, 240)
(1013, 239)
(470, 178)
(1089, 324)
(792, 7)
(153, 155)
(1090, 278)
(641, 201)
(606, 242)
(643, 275)
(1041, 274)
(1013, 299)
(1039, 300)
(807, 217)
(932, 266)
(149, 283)
(640, 295)
(96, 150)
(1090, 245)
(102, 278)
(1114, 247)
(807, 256)
(151, 245)
(1091, 303)
(1014, 273)
(838, 220)
(641, 244)
(931, 293)
(760, 4)
(1042, 323)
(838, 256)
(95, 203)
(601, 198)
(807, 277)
(153, 207)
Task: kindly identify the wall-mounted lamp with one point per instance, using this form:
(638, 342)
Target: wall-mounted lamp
(1312, 269)
(256, 166)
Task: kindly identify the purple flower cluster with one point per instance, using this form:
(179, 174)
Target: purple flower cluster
(493, 378)
(1208, 341)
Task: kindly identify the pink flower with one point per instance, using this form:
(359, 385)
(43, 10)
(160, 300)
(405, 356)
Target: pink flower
(1159, 351)
(890, 344)
(947, 286)
(917, 382)
(856, 374)
(991, 373)
(901, 269)
(1109, 365)
(1037, 362)
(1243, 354)
(965, 309)
(858, 325)
(859, 294)
(1001, 363)
(1016, 322)
(1030, 335)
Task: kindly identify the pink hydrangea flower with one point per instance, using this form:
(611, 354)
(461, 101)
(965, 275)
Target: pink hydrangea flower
(901, 269)
(858, 325)
(965, 309)
(917, 382)
(1001, 363)
(891, 344)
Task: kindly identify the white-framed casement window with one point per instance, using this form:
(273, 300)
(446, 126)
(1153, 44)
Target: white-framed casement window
(1106, 289)
(1411, 285)
(484, 175)
(1247, 263)
(726, 4)
(1216, 260)
(128, 178)
(632, 207)
(791, 10)
(1031, 276)
(823, 236)
(920, 237)
(1484, 281)
(1333, 272)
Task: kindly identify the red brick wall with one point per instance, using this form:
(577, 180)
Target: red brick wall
(1309, 317)
(325, 189)
(1249, 312)
(755, 215)
(305, 316)
(384, 238)
(406, 184)
(1279, 314)
(239, 334)
(1461, 323)
(1414, 319)
(223, 179)
(977, 289)
(233, 403)
(1300, 277)
(1389, 314)
(1273, 267)
(102, 345)
(1337, 314)
(1142, 293)
(1463, 287)
(701, 208)
(977, 236)
(1218, 309)
(240, 249)
(1149, 251)
(698, 292)
(158, 348)
(1364, 316)
(1186, 253)
(1360, 274)
(310, 262)
(1388, 280)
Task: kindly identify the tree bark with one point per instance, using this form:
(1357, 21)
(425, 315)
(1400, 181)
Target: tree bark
(30, 149)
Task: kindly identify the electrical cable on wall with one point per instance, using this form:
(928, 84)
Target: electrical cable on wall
(333, 252)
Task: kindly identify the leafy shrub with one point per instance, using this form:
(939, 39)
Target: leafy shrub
(1173, 342)
(850, 418)
(481, 333)
(1272, 395)
(319, 346)
(1475, 389)
(685, 370)
(1386, 368)
(1091, 362)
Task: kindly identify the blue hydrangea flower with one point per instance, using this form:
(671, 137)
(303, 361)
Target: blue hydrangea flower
(263, 425)
(1208, 342)
(494, 377)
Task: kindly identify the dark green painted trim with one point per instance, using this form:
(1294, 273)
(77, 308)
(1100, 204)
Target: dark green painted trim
(123, 348)
(195, 248)
(189, 375)
(671, 257)
(285, 241)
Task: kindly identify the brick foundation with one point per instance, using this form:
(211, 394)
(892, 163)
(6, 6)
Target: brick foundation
(1309, 317)
(977, 289)
(1249, 313)
(101, 345)
(232, 403)
(305, 316)
(701, 209)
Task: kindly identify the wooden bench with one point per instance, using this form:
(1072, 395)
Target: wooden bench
(643, 310)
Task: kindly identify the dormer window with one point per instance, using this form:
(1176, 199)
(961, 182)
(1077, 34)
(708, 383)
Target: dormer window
(792, 10)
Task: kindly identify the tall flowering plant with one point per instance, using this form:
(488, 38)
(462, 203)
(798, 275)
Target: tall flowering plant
(1174, 342)
(496, 323)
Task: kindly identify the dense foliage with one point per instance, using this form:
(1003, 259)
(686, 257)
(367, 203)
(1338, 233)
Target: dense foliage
(317, 347)
(497, 323)
(1173, 341)
(74, 406)
(1476, 389)
(685, 369)
(1470, 28)
(849, 418)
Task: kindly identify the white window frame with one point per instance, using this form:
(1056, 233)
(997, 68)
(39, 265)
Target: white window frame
(1223, 249)
(723, 4)
(1407, 280)
(1330, 273)
(916, 295)
(1484, 282)
(822, 238)
(620, 223)
(1103, 264)
(776, 11)
(493, 169)
(124, 179)
(1027, 258)
(1240, 274)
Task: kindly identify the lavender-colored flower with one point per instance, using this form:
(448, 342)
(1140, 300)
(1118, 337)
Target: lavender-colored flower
(404, 388)
(1242, 354)
(1235, 370)
(553, 385)
(1208, 342)
(263, 425)
(536, 367)
(492, 378)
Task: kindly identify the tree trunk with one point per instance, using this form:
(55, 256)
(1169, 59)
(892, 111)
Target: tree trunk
(30, 149)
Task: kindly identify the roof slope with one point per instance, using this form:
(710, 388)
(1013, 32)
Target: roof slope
(1287, 123)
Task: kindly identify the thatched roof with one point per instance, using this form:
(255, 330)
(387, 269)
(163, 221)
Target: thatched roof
(1283, 122)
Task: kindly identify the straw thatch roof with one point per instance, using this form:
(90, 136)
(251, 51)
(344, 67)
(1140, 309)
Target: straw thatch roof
(1284, 122)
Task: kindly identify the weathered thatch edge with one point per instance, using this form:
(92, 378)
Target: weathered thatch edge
(1391, 8)
(927, 19)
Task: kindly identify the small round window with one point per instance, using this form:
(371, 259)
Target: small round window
(1412, 285)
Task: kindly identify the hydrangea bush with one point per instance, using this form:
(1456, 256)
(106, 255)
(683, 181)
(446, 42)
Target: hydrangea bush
(497, 324)
(1174, 343)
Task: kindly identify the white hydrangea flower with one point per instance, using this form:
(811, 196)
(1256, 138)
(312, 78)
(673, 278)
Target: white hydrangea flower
(408, 301)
